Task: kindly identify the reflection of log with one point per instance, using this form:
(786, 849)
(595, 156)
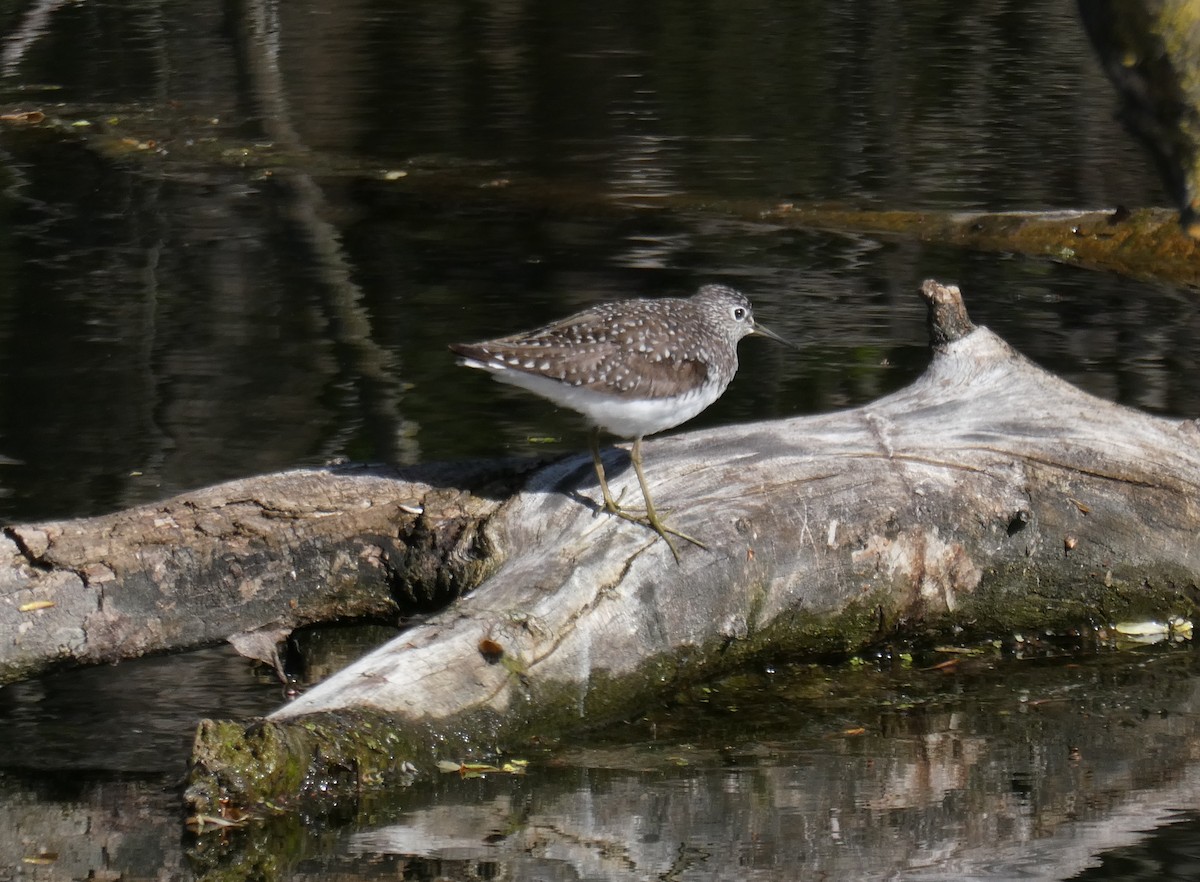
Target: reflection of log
(988, 495)
(989, 787)
(1150, 49)
(1017, 764)
(1144, 244)
(99, 831)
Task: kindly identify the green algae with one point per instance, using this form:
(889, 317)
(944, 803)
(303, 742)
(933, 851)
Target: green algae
(276, 765)
(284, 765)
(1143, 244)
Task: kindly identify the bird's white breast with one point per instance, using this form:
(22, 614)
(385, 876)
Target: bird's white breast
(622, 416)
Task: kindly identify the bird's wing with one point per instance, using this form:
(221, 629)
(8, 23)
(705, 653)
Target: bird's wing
(566, 351)
(650, 376)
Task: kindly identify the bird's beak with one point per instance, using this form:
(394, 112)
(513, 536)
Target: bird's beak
(767, 332)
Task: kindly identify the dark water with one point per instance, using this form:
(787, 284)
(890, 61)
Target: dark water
(166, 325)
(165, 328)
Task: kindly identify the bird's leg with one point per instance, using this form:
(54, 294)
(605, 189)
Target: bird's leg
(651, 517)
(610, 504)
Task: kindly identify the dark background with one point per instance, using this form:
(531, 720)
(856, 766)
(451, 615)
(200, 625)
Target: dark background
(169, 324)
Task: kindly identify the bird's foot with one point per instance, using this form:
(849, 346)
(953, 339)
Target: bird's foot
(650, 518)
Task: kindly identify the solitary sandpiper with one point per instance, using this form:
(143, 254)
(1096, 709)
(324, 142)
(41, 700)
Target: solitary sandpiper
(632, 367)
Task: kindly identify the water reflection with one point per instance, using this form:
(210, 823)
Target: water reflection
(164, 326)
(167, 332)
(999, 769)
(994, 767)
(32, 27)
(137, 720)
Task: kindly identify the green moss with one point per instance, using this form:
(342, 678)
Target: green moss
(275, 764)
(255, 764)
(1016, 599)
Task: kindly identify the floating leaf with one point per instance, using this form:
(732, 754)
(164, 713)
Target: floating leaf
(948, 664)
(479, 767)
(31, 117)
(1140, 629)
(198, 823)
(476, 770)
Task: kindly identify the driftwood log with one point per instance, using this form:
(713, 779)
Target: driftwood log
(987, 496)
(245, 561)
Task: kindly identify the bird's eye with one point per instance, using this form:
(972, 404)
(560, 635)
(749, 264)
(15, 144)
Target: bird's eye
(739, 313)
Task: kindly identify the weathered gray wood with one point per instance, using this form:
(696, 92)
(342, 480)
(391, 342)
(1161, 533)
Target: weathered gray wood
(988, 494)
(891, 513)
(263, 554)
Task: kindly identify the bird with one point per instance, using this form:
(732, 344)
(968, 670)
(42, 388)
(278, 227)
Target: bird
(632, 367)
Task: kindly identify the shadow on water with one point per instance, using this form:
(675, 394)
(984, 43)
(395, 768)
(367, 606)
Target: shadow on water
(136, 719)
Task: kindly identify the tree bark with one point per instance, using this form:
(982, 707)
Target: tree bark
(264, 554)
(988, 496)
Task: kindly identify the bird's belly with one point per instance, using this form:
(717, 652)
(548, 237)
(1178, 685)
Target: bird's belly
(624, 417)
(631, 418)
